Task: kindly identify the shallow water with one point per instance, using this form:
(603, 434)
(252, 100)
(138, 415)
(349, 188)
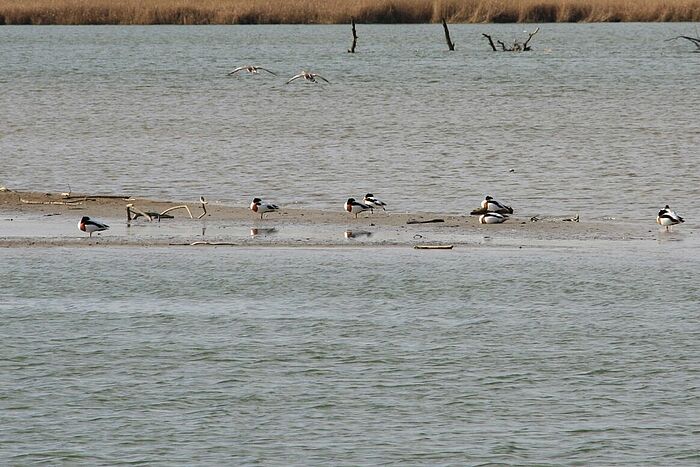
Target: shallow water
(337, 356)
(560, 353)
(598, 119)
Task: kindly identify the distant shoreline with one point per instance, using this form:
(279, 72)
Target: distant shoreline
(184, 12)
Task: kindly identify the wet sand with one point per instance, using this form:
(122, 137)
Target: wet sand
(50, 219)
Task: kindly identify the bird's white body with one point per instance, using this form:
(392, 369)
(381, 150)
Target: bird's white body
(492, 218)
(88, 225)
(353, 207)
(258, 207)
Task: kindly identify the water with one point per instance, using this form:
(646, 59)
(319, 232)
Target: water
(560, 353)
(598, 119)
(334, 356)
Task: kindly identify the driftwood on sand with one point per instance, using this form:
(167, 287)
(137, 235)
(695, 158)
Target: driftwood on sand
(431, 221)
(211, 243)
(69, 196)
(132, 212)
(66, 203)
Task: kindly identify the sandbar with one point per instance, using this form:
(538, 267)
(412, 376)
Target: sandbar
(43, 219)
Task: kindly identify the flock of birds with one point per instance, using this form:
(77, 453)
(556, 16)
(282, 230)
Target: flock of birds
(369, 203)
(490, 212)
(254, 70)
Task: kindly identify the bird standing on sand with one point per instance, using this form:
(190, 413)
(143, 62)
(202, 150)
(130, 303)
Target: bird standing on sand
(353, 207)
(253, 70)
(491, 205)
(258, 206)
(88, 225)
(373, 202)
(494, 206)
(667, 217)
(308, 76)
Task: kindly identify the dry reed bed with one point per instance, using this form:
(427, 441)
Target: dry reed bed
(341, 11)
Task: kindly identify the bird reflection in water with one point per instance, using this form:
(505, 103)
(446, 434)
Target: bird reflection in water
(257, 232)
(356, 234)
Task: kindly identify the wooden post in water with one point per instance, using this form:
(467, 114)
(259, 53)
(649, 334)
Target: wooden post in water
(351, 50)
(450, 44)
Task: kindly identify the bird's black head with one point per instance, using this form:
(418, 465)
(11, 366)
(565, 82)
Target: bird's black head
(85, 219)
(351, 200)
(488, 198)
(257, 200)
(369, 195)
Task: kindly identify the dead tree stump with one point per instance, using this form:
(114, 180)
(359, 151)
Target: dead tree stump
(450, 44)
(351, 50)
(516, 47)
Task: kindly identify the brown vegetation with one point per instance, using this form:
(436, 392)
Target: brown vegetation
(341, 11)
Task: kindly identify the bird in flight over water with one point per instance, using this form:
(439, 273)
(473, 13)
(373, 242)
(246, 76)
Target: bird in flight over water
(308, 77)
(251, 69)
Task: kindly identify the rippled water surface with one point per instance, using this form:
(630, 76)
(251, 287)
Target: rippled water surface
(597, 119)
(350, 356)
(581, 354)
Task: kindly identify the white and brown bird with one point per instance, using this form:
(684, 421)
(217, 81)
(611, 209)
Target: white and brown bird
(88, 225)
(667, 217)
(253, 70)
(353, 207)
(257, 206)
(308, 76)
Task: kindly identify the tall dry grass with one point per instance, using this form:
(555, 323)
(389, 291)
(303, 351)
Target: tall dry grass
(341, 11)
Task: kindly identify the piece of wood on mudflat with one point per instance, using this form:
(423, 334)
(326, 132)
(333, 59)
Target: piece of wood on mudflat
(433, 247)
(198, 243)
(413, 221)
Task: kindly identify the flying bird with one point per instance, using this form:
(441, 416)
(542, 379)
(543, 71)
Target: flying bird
(251, 69)
(308, 77)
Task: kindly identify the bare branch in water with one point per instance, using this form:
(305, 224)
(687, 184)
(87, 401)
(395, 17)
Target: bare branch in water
(694, 40)
(354, 37)
(450, 44)
(516, 47)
